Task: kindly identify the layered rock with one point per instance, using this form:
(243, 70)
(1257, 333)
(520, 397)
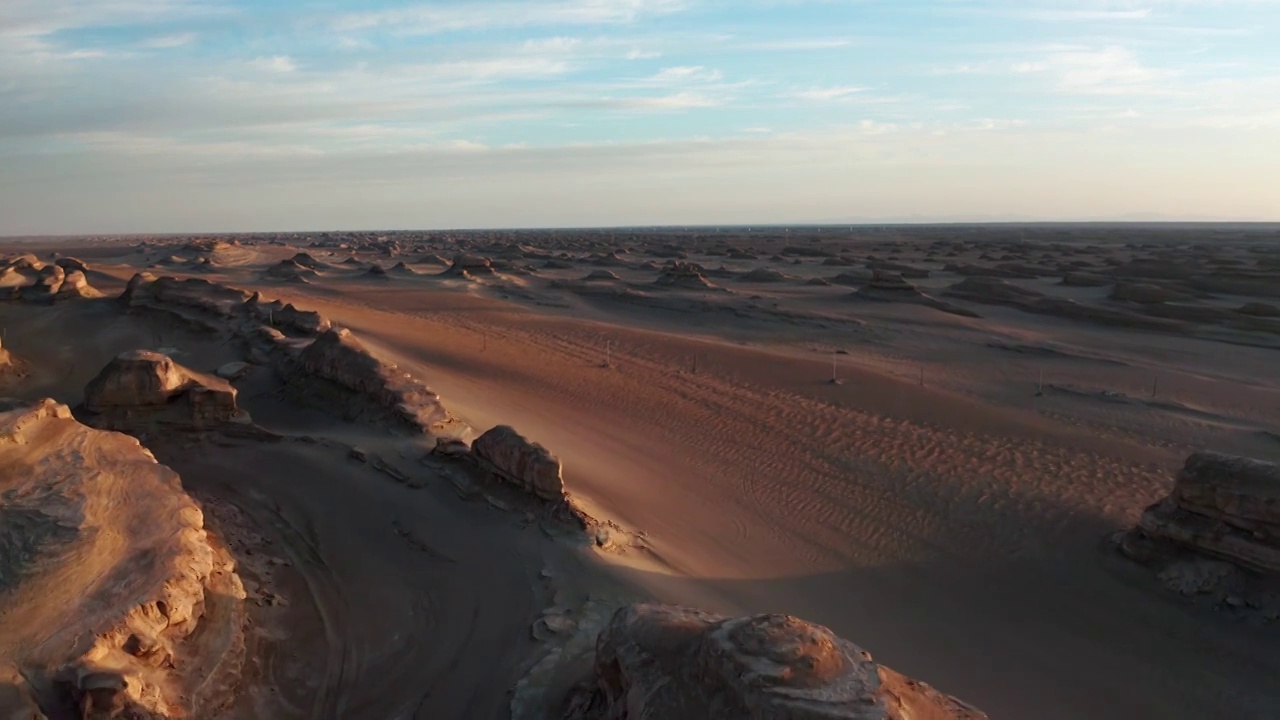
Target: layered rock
(655, 661)
(322, 366)
(105, 574)
(1223, 507)
(141, 387)
(519, 461)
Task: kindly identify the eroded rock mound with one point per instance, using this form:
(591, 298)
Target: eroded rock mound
(106, 573)
(141, 387)
(656, 661)
(520, 462)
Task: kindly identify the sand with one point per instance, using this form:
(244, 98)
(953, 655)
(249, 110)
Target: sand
(947, 504)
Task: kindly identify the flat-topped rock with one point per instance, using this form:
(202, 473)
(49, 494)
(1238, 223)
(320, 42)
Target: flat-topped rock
(674, 663)
(143, 386)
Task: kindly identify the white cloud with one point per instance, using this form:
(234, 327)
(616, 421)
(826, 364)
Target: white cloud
(428, 19)
(162, 42)
(828, 94)
(642, 54)
(686, 74)
(275, 64)
(1111, 70)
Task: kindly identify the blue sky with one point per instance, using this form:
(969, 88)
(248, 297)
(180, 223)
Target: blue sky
(206, 115)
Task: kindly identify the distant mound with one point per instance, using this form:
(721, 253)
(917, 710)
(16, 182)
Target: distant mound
(887, 286)
(685, 275)
(467, 265)
(602, 275)
(401, 269)
(291, 270)
(765, 275)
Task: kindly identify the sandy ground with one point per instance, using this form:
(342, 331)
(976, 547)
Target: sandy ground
(947, 505)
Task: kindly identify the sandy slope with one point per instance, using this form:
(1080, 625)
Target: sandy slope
(957, 540)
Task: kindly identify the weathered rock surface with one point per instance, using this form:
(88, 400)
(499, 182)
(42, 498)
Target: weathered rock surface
(1223, 508)
(26, 278)
(673, 663)
(337, 372)
(105, 574)
(338, 375)
(141, 387)
(520, 461)
(1240, 494)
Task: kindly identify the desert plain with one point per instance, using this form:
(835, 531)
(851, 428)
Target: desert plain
(934, 441)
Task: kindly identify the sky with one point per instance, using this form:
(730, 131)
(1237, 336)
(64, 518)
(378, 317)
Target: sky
(122, 116)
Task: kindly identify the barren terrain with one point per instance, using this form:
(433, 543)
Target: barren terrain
(924, 439)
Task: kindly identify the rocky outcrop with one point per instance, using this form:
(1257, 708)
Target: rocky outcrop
(140, 388)
(1224, 507)
(339, 374)
(284, 315)
(26, 278)
(655, 661)
(106, 573)
(520, 462)
(323, 366)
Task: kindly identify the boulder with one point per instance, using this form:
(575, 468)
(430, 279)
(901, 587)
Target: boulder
(521, 462)
(233, 370)
(674, 663)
